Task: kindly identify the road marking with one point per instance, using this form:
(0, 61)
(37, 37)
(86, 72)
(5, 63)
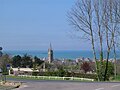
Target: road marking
(99, 88)
(115, 85)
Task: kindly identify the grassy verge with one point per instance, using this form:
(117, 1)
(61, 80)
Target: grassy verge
(117, 78)
(24, 78)
(45, 78)
(6, 87)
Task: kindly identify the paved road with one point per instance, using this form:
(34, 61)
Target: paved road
(66, 85)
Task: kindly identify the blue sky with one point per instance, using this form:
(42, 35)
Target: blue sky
(33, 24)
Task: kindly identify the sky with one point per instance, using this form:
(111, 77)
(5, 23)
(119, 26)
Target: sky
(34, 24)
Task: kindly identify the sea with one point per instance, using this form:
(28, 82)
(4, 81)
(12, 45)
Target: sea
(59, 54)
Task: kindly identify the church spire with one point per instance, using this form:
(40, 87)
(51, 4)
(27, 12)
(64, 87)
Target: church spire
(50, 46)
(50, 54)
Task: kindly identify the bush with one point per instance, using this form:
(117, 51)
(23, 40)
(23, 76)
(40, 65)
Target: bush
(80, 75)
(68, 74)
(35, 73)
(85, 66)
(67, 78)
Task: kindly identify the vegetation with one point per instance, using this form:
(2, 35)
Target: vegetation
(66, 70)
(98, 20)
(4, 61)
(110, 72)
(86, 67)
(26, 61)
(63, 70)
(18, 61)
(48, 78)
(117, 78)
(63, 73)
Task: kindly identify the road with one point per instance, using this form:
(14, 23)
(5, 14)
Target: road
(68, 85)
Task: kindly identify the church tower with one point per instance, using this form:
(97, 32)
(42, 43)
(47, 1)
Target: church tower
(50, 54)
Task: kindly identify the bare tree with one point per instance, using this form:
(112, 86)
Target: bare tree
(98, 20)
(115, 20)
(111, 27)
(116, 8)
(95, 19)
(81, 18)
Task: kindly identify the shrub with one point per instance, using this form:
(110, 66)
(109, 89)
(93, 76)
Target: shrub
(68, 74)
(35, 73)
(86, 67)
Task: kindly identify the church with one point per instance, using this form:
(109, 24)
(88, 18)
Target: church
(50, 54)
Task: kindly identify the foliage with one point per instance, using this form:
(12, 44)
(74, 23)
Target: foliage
(61, 72)
(86, 66)
(4, 61)
(26, 61)
(16, 61)
(82, 75)
(110, 71)
(35, 73)
(38, 61)
(118, 66)
(67, 74)
(98, 22)
(117, 78)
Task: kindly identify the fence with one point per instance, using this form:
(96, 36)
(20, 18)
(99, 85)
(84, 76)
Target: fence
(56, 78)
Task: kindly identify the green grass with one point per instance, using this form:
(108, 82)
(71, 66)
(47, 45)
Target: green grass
(6, 88)
(34, 78)
(117, 78)
(41, 78)
(27, 78)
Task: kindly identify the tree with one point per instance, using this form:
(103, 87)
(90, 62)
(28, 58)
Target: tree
(81, 17)
(94, 18)
(61, 72)
(36, 63)
(116, 21)
(26, 61)
(85, 66)
(4, 61)
(111, 26)
(16, 61)
(110, 71)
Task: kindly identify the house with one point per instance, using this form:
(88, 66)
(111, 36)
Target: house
(23, 71)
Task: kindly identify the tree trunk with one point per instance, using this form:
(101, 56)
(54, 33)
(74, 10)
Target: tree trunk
(115, 67)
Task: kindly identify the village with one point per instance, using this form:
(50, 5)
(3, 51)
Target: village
(34, 66)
